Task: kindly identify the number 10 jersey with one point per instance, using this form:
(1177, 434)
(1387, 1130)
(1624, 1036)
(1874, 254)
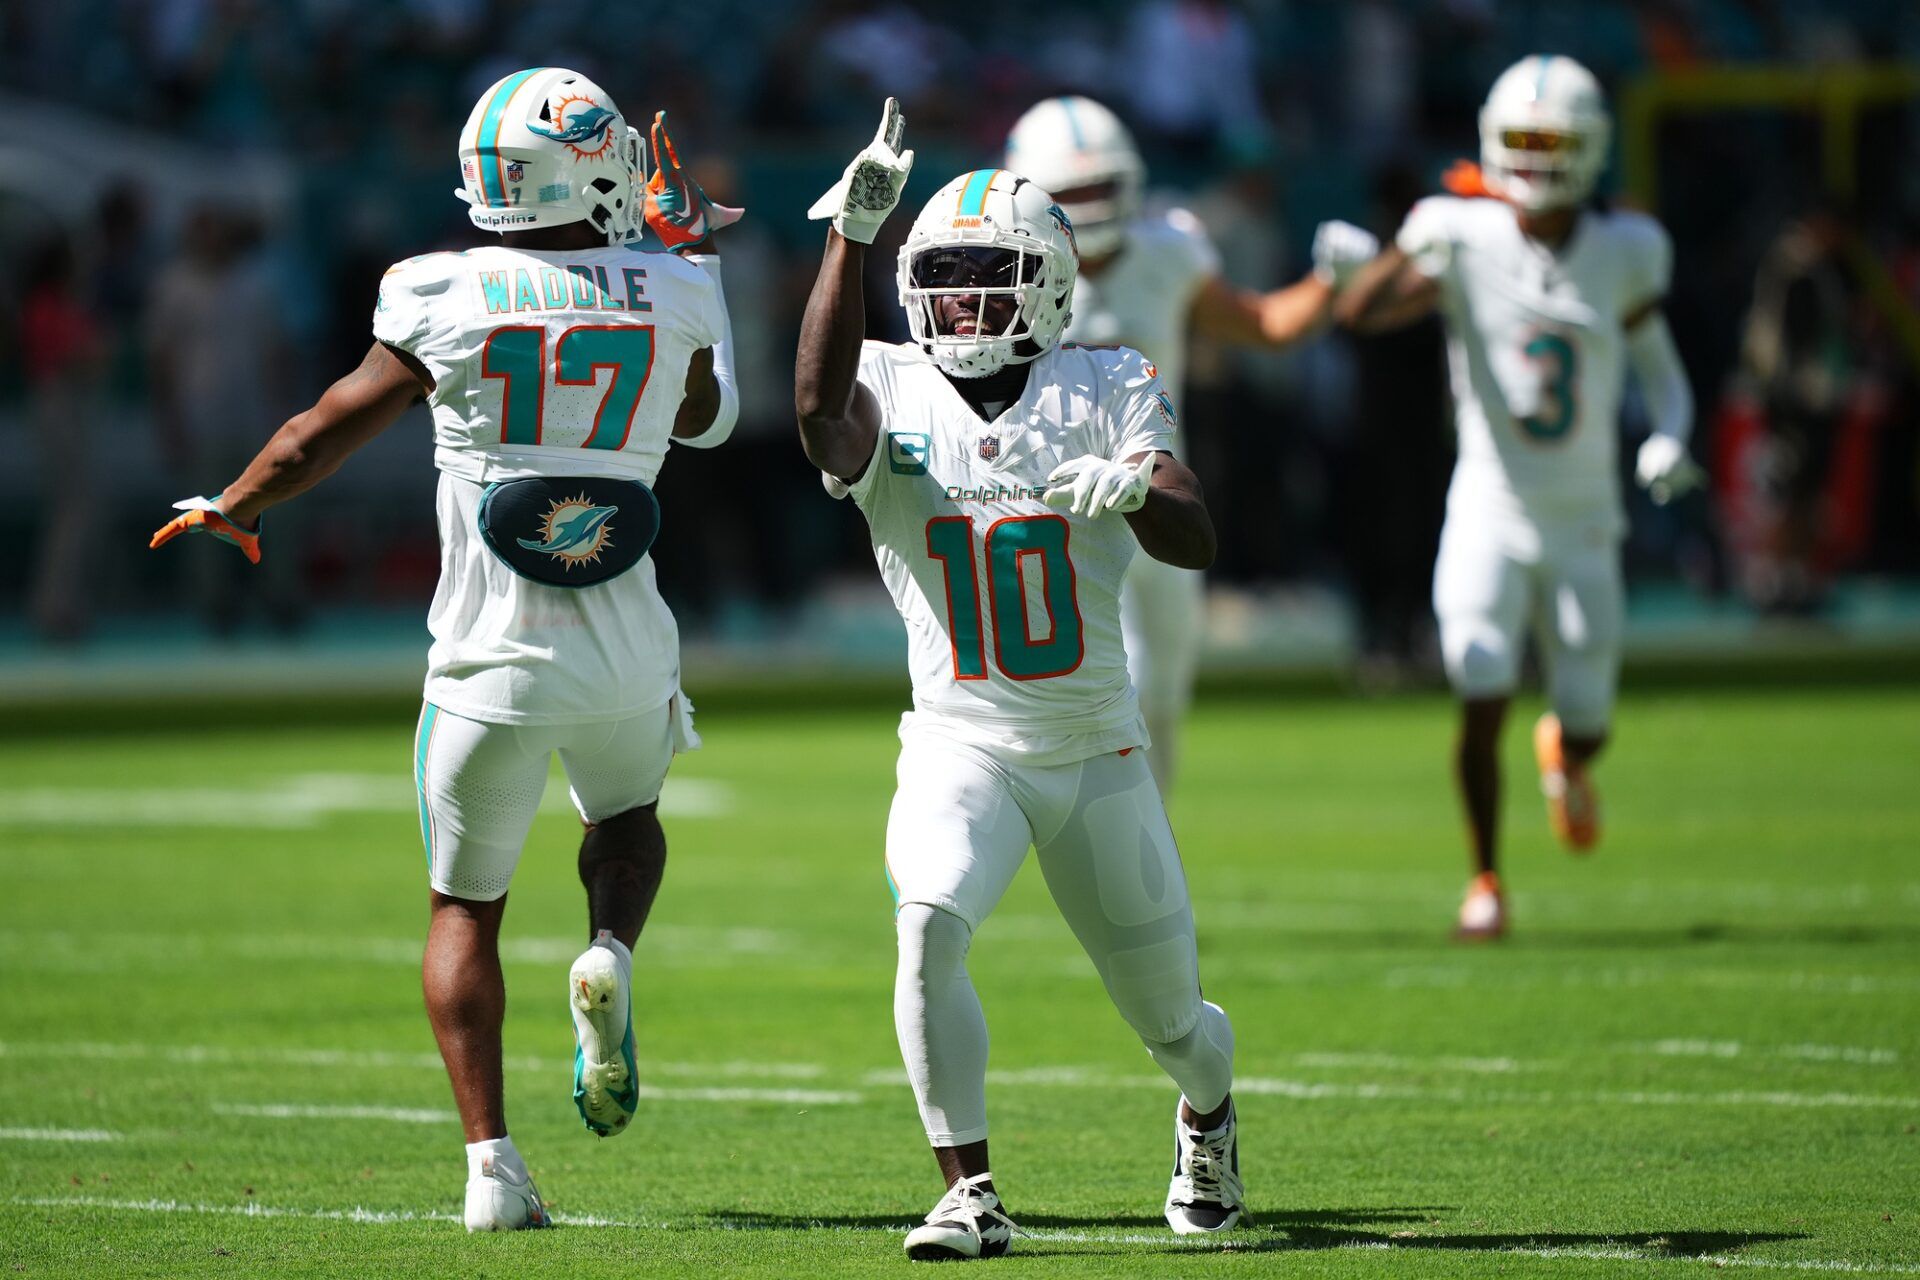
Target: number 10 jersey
(1012, 607)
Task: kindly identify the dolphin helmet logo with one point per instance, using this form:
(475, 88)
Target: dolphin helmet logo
(587, 132)
(574, 531)
(1059, 215)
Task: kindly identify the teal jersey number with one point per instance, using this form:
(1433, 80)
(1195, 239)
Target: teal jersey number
(950, 541)
(1557, 407)
(517, 356)
(627, 349)
(1015, 546)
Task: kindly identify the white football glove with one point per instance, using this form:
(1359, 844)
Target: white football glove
(1340, 249)
(868, 190)
(1089, 485)
(1664, 470)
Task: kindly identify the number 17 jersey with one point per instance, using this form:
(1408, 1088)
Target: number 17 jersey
(562, 363)
(1012, 607)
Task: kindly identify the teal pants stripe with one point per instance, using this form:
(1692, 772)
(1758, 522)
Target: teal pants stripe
(422, 742)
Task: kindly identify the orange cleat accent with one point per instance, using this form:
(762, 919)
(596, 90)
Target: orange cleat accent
(1483, 912)
(1573, 806)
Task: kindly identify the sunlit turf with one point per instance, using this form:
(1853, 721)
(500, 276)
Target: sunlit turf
(1700, 1048)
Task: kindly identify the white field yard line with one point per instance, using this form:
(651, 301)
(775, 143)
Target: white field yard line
(1852, 1054)
(671, 939)
(426, 1115)
(215, 1055)
(1792, 982)
(288, 802)
(1033, 1077)
(299, 1111)
(1430, 1244)
(58, 1135)
(1368, 1091)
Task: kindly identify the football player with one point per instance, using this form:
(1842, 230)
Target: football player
(1549, 301)
(1008, 479)
(559, 365)
(1148, 280)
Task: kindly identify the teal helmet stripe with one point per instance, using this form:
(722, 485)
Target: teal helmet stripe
(487, 142)
(1540, 76)
(1073, 124)
(973, 199)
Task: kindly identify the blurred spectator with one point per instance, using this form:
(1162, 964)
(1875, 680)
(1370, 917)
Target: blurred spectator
(1393, 473)
(218, 368)
(1800, 353)
(62, 350)
(1188, 78)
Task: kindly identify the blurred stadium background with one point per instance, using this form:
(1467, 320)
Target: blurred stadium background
(197, 198)
(1698, 1048)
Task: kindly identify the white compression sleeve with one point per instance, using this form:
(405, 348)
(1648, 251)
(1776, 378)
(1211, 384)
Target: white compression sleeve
(1661, 377)
(942, 1030)
(729, 412)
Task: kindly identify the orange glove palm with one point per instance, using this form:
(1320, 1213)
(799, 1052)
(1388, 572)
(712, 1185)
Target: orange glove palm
(203, 515)
(677, 212)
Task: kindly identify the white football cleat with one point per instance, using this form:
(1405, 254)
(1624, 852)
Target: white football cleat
(503, 1199)
(1205, 1196)
(967, 1223)
(605, 1088)
(1483, 912)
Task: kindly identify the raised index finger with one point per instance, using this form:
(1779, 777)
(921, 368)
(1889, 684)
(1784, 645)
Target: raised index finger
(893, 127)
(664, 156)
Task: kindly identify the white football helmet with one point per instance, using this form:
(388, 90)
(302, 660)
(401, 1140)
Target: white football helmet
(1544, 133)
(1068, 143)
(989, 234)
(545, 147)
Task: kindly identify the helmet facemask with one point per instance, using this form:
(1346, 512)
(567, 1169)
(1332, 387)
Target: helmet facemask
(1538, 167)
(1010, 287)
(1544, 133)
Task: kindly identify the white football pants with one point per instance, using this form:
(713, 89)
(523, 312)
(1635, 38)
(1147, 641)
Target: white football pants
(961, 825)
(480, 785)
(1493, 577)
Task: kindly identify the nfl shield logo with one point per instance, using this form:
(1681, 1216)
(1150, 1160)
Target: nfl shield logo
(989, 448)
(516, 171)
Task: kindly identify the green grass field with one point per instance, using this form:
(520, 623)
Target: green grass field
(1700, 1049)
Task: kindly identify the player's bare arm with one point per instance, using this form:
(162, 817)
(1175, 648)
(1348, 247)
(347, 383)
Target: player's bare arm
(1277, 319)
(310, 446)
(839, 418)
(1387, 293)
(306, 449)
(1173, 525)
(1291, 314)
(701, 404)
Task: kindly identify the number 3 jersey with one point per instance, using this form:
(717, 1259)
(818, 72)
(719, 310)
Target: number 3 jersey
(556, 363)
(1012, 607)
(1536, 350)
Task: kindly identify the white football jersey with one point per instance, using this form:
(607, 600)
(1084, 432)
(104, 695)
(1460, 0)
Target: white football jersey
(1536, 349)
(1012, 606)
(1144, 297)
(547, 363)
